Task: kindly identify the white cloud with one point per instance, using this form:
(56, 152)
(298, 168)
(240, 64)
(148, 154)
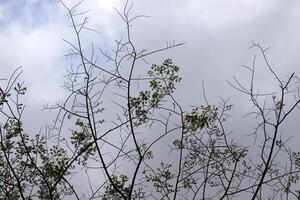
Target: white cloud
(2, 12)
(40, 51)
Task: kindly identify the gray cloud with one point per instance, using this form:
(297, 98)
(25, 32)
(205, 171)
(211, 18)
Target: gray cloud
(217, 35)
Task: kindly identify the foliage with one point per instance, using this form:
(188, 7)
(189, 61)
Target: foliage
(144, 144)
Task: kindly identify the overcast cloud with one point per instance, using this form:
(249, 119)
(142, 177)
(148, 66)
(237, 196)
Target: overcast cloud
(217, 34)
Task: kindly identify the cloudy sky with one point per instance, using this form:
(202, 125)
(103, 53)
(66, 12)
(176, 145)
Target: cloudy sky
(217, 36)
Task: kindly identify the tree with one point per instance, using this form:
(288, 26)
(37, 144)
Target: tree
(123, 140)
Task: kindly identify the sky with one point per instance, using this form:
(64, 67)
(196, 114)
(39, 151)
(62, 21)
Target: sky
(217, 36)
